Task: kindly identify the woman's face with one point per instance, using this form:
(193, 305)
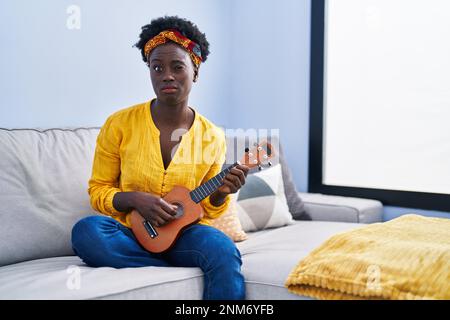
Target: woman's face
(171, 72)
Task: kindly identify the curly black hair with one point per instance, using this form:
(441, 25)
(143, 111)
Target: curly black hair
(185, 27)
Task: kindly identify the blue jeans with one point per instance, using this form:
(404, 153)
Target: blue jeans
(101, 241)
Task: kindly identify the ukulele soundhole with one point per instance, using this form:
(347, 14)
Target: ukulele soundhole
(180, 210)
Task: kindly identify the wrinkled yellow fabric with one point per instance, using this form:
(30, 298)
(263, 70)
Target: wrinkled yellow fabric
(405, 258)
(128, 158)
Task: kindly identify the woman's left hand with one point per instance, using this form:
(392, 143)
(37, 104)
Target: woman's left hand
(234, 180)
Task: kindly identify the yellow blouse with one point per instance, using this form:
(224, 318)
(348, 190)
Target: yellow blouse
(128, 158)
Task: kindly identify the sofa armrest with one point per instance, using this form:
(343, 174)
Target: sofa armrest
(342, 209)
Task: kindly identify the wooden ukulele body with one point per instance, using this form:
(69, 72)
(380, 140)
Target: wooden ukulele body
(161, 239)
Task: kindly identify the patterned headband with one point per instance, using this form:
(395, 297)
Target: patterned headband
(190, 46)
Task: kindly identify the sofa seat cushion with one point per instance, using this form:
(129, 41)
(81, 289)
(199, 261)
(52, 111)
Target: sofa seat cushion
(54, 278)
(268, 257)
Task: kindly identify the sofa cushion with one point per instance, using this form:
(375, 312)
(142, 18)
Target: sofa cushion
(55, 278)
(268, 257)
(344, 209)
(43, 190)
(294, 200)
(261, 201)
(236, 144)
(229, 222)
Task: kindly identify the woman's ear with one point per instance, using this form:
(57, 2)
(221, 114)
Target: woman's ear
(195, 75)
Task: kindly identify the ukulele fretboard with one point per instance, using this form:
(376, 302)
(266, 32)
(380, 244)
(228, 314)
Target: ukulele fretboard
(206, 189)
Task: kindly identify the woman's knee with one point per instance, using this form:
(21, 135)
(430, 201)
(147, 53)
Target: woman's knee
(90, 229)
(227, 253)
(221, 249)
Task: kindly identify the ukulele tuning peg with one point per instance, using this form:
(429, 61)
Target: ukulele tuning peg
(259, 168)
(269, 163)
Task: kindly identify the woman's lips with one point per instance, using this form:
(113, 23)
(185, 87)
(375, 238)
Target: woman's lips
(169, 90)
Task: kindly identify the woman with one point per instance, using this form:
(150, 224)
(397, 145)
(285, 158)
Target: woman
(140, 156)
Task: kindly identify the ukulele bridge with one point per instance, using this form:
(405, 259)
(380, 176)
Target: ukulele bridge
(151, 231)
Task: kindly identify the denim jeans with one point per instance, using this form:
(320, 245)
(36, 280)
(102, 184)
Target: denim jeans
(101, 241)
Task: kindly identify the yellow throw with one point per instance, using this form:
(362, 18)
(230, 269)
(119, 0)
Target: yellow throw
(405, 258)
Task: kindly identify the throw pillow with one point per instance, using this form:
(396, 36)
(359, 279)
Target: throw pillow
(295, 203)
(229, 222)
(235, 150)
(261, 202)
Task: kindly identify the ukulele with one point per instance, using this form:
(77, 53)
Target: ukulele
(189, 211)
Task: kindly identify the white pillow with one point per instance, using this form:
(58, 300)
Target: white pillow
(261, 202)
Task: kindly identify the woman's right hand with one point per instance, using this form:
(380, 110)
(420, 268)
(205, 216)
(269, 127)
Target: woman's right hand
(152, 208)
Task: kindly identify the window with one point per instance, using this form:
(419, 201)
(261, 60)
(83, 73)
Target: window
(380, 101)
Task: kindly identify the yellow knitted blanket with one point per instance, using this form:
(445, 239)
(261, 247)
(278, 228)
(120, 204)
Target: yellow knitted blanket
(405, 258)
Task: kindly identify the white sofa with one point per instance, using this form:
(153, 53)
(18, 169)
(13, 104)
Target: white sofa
(44, 175)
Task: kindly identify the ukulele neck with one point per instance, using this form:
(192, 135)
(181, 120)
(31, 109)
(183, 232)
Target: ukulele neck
(210, 186)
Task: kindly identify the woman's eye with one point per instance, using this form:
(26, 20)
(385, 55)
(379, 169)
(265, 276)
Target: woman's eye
(157, 68)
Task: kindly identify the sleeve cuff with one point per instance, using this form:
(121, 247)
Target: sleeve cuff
(211, 211)
(109, 203)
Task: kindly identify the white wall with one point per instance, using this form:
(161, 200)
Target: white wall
(270, 74)
(52, 76)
